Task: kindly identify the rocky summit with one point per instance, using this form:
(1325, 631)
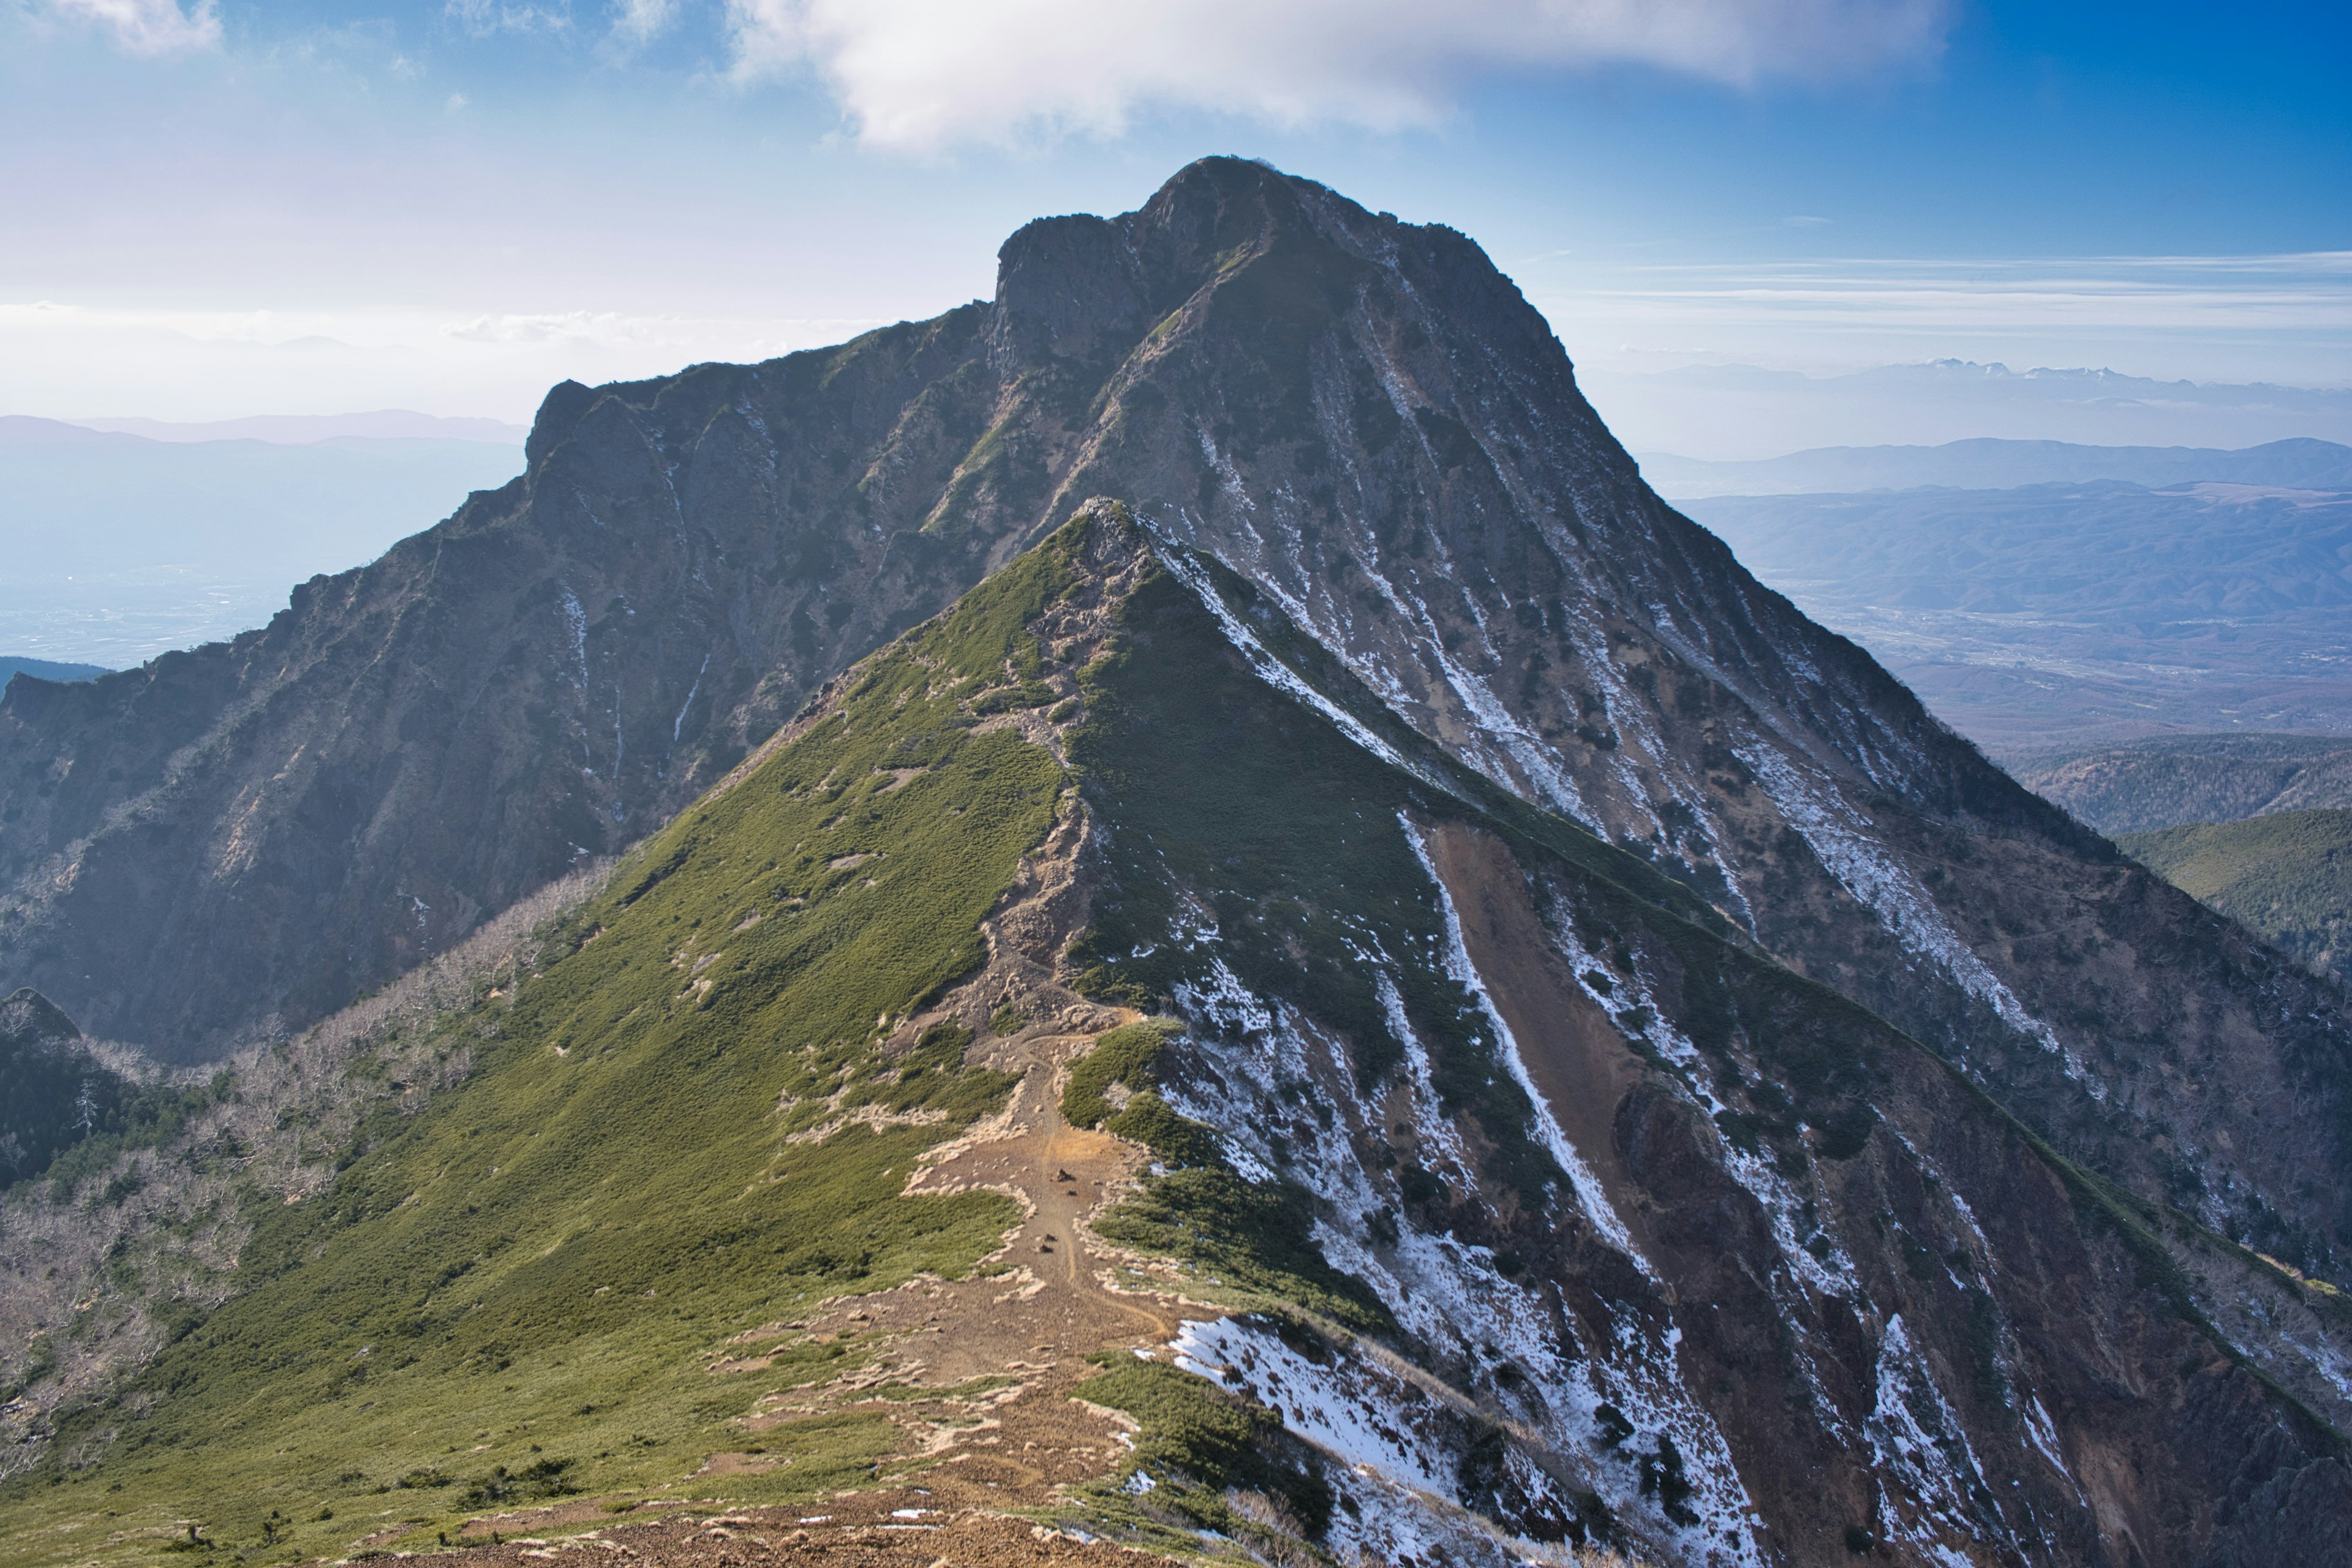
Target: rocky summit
(1228, 939)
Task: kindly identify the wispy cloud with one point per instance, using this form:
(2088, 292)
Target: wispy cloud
(59, 357)
(148, 27)
(483, 17)
(2303, 291)
(420, 331)
(638, 21)
(916, 75)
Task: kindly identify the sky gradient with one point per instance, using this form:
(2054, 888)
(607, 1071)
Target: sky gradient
(261, 206)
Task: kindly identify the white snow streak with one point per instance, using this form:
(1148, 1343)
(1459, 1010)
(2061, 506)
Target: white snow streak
(1888, 890)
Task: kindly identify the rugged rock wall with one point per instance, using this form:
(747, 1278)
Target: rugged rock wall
(1679, 1248)
(1360, 416)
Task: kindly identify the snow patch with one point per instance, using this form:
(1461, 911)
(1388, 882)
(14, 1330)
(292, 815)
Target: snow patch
(1903, 907)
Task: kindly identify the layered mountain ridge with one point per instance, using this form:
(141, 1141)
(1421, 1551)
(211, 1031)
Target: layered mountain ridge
(1466, 1190)
(1358, 414)
(1672, 1092)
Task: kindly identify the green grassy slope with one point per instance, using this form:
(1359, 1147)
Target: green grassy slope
(533, 1288)
(519, 1292)
(2288, 876)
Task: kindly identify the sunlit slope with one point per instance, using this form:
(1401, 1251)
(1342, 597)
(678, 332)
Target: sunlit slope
(533, 1273)
(2288, 876)
(1452, 1124)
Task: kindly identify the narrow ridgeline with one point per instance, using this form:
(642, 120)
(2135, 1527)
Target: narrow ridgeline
(1099, 1079)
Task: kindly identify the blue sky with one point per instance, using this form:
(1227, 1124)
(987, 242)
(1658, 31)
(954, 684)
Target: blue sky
(220, 207)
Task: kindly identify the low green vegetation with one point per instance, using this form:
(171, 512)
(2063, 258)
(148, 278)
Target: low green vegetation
(686, 1127)
(1120, 1060)
(2287, 877)
(1252, 1243)
(1204, 1456)
(1124, 1057)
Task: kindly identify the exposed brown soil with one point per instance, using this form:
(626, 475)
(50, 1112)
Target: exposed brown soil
(1575, 1054)
(860, 1533)
(976, 1373)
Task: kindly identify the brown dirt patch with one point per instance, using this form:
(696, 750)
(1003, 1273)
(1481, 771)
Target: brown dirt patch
(1572, 1050)
(860, 1533)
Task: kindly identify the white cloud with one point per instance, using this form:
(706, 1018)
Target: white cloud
(149, 26)
(483, 17)
(919, 74)
(641, 21)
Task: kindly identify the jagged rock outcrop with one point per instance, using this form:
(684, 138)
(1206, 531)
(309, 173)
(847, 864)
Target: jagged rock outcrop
(1360, 416)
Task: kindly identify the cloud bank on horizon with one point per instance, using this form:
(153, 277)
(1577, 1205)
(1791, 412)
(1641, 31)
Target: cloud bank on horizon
(918, 75)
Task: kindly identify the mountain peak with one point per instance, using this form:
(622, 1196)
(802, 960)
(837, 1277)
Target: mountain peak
(1081, 285)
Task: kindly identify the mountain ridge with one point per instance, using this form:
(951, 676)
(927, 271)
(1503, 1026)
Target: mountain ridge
(2179, 781)
(2075, 613)
(1364, 420)
(1468, 1201)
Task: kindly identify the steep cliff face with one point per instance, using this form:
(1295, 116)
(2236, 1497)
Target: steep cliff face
(1359, 416)
(254, 830)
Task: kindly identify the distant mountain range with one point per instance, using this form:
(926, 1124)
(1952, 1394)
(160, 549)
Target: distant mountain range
(2082, 613)
(1986, 464)
(383, 424)
(121, 546)
(2174, 781)
(47, 669)
(1740, 412)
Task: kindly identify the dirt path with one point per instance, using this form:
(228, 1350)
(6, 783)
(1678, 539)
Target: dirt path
(976, 1372)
